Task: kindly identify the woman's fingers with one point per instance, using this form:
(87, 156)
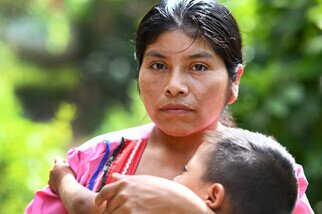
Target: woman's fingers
(118, 176)
(107, 193)
(119, 210)
(58, 160)
(57, 173)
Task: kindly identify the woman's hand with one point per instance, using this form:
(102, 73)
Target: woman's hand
(60, 170)
(148, 194)
(75, 197)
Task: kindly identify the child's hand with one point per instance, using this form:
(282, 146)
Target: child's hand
(60, 170)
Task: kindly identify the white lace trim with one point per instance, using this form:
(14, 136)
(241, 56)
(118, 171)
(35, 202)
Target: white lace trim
(131, 157)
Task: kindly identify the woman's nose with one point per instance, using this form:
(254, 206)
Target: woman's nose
(176, 84)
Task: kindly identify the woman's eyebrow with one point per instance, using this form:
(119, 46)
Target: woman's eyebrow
(201, 54)
(154, 53)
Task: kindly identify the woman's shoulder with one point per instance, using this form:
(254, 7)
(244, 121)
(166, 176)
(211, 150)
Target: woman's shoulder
(302, 203)
(86, 157)
(139, 132)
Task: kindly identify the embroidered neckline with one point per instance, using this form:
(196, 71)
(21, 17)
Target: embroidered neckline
(109, 162)
(131, 157)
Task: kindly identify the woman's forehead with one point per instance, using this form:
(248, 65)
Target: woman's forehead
(176, 41)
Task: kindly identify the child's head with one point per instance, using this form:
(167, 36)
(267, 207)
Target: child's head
(238, 171)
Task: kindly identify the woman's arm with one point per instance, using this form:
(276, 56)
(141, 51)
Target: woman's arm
(75, 197)
(149, 194)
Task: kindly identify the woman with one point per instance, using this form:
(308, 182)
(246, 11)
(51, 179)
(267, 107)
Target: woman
(190, 63)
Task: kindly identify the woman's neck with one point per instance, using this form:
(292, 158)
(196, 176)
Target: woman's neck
(176, 144)
(166, 155)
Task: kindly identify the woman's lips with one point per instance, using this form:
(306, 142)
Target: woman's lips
(174, 108)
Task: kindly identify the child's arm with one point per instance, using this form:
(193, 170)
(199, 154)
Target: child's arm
(75, 197)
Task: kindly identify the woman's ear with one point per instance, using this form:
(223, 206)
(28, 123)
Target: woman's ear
(215, 196)
(233, 94)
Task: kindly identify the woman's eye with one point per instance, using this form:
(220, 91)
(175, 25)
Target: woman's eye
(199, 67)
(158, 66)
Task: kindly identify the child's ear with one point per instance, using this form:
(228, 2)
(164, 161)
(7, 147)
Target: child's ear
(215, 196)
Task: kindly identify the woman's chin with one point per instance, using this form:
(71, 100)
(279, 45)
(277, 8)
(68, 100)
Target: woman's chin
(178, 130)
(183, 128)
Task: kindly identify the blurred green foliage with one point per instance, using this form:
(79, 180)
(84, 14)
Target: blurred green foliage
(281, 90)
(27, 147)
(67, 70)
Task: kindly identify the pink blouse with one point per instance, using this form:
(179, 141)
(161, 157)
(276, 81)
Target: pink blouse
(86, 162)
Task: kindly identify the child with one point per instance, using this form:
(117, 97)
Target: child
(238, 171)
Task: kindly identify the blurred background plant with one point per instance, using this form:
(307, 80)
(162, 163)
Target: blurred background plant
(67, 74)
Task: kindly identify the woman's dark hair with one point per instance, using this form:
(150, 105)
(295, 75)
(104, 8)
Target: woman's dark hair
(257, 172)
(197, 18)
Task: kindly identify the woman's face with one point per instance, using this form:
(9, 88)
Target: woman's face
(183, 84)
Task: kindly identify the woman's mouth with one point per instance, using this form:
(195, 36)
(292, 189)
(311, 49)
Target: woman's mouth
(176, 108)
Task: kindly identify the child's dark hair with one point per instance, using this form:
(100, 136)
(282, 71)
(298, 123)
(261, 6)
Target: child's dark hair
(197, 18)
(257, 172)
